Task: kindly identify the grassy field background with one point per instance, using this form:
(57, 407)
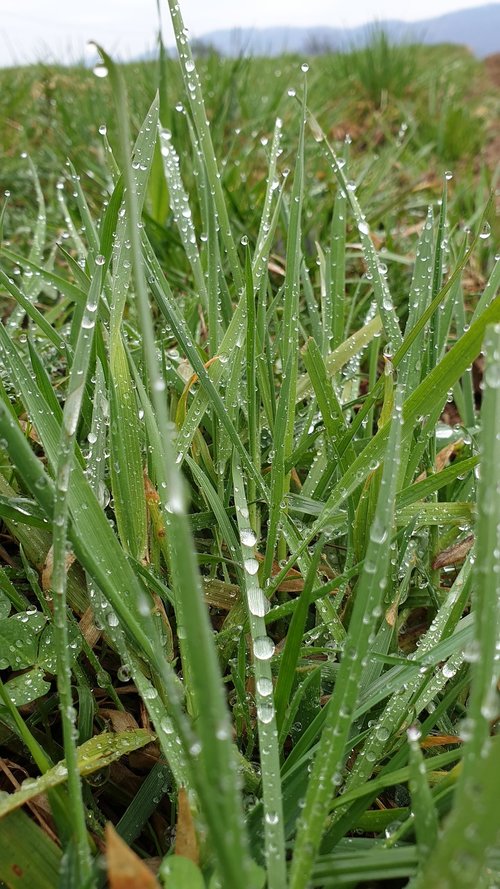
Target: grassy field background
(249, 414)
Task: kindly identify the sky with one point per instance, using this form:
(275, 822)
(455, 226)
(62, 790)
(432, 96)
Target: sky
(49, 30)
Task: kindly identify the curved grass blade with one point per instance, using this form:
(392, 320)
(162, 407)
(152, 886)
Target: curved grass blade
(32, 312)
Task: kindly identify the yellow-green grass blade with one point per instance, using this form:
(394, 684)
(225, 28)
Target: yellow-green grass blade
(93, 755)
(29, 859)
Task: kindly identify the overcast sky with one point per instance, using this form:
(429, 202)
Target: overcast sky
(32, 30)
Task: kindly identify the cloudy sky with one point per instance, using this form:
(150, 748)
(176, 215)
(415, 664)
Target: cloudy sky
(32, 30)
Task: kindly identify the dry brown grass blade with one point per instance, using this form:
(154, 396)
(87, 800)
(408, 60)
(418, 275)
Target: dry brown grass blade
(453, 555)
(186, 843)
(125, 869)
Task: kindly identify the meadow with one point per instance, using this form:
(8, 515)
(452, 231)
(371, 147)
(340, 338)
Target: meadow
(249, 489)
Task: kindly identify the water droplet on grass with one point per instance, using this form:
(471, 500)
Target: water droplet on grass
(248, 537)
(251, 566)
(414, 734)
(265, 713)
(264, 686)
(166, 725)
(258, 604)
(263, 648)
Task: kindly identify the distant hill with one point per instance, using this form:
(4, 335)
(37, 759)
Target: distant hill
(477, 28)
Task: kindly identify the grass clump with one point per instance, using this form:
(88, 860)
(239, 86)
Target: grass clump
(249, 608)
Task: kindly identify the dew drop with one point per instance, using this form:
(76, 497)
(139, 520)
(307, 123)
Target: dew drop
(248, 537)
(263, 648)
(264, 686)
(258, 604)
(251, 566)
(265, 713)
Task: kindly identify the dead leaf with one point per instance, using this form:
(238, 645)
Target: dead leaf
(443, 457)
(119, 720)
(392, 612)
(125, 869)
(439, 741)
(88, 628)
(145, 758)
(186, 843)
(48, 567)
(277, 265)
(453, 555)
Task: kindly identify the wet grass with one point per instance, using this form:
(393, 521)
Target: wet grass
(249, 425)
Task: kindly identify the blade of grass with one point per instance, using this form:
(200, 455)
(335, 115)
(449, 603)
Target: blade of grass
(263, 648)
(69, 425)
(291, 651)
(217, 781)
(365, 616)
(194, 92)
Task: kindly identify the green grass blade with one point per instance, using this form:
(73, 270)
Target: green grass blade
(194, 92)
(459, 858)
(39, 869)
(379, 282)
(263, 648)
(216, 771)
(291, 652)
(179, 203)
(126, 455)
(367, 608)
(484, 703)
(424, 810)
(338, 266)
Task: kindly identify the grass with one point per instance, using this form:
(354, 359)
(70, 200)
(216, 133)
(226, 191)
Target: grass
(249, 602)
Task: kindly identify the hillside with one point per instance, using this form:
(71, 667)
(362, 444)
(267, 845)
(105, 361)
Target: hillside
(477, 28)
